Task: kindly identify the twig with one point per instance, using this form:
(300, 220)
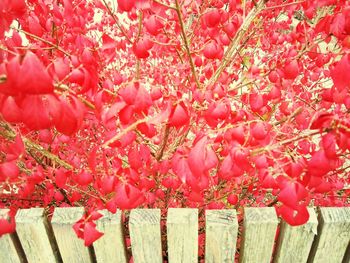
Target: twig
(42, 40)
(187, 48)
(232, 48)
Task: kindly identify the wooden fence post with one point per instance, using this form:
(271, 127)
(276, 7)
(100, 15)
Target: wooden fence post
(111, 246)
(36, 236)
(71, 247)
(294, 242)
(333, 235)
(182, 233)
(10, 247)
(221, 229)
(259, 230)
(145, 235)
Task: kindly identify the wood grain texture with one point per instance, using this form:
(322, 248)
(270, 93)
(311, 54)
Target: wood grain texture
(182, 234)
(259, 230)
(8, 247)
(220, 236)
(145, 234)
(333, 235)
(294, 242)
(111, 246)
(36, 236)
(72, 248)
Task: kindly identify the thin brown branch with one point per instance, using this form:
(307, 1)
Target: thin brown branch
(186, 43)
(233, 47)
(8, 133)
(42, 40)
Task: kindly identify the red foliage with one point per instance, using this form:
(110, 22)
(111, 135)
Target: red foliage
(174, 104)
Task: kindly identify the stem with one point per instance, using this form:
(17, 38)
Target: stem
(125, 131)
(233, 47)
(42, 40)
(116, 21)
(186, 42)
(30, 145)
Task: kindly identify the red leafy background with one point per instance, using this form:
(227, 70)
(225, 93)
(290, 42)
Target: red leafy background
(146, 103)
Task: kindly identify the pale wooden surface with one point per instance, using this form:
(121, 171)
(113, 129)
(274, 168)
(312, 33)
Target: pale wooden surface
(145, 234)
(182, 234)
(34, 233)
(259, 230)
(333, 235)
(71, 247)
(111, 246)
(221, 236)
(294, 242)
(8, 251)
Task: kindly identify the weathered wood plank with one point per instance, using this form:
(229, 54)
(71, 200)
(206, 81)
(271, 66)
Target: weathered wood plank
(36, 236)
(294, 242)
(333, 235)
(10, 248)
(182, 234)
(145, 235)
(111, 246)
(72, 248)
(221, 236)
(259, 230)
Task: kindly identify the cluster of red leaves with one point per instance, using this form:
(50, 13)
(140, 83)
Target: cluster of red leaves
(124, 104)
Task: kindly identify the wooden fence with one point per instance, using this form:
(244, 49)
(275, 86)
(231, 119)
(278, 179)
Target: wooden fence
(324, 238)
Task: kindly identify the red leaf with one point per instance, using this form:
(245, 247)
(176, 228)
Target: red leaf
(7, 224)
(34, 77)
(294, 217)
(212, 50)
(143, 100)
(8, 170)
(128, 196)
(292, 194)
(181, 168)
(15, 149)
(10, 110)
(126, 5)
(322, 121)
(212, 18)
(319, 164)
(84, 178)
(179, 116)
(90, 233)
(291, 70)
(61, 178)
(153, 25)
(340, 73)
(225, 171)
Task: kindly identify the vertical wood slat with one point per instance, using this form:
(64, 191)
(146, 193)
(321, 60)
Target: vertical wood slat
(36, 236)
(8, 247)
(259, 230)
(182, 234)
(294, 242)
(111, 246)
(145, 235)
(221, 236)
(71, 247)
(333, 235)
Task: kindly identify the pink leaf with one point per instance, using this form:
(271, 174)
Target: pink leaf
(90, 233)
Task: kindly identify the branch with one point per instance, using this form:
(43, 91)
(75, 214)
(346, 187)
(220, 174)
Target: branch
(186, 42)
(125, 131)
(233, 47)
(30, 145)
(42, 40)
